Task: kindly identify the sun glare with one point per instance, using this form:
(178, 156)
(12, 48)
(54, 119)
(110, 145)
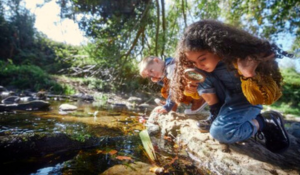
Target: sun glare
(49, 22)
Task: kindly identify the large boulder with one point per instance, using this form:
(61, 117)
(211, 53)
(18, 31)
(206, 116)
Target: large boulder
(248, 157)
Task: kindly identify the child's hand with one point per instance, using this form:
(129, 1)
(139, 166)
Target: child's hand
(161, 110)
(191, 87)
(190, 90)
(248, 66)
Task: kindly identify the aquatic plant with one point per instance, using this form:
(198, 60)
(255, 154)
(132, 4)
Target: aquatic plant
(147, 144)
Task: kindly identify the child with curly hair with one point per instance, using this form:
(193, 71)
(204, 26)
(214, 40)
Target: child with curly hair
(241, 75)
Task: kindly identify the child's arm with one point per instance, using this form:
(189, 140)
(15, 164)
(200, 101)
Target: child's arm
(191, 88)
(210, 98)
(167, 107)
(252, 83)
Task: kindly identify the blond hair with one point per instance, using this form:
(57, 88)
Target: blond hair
(144, 64)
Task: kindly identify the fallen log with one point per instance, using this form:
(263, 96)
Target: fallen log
(248, 157)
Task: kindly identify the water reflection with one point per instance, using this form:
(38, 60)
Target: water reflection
(112, 131)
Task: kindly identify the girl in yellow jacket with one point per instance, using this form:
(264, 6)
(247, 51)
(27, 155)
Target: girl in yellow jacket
(240, 75)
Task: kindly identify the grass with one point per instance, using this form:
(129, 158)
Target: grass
(286, 109)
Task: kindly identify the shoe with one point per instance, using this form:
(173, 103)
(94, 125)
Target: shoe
(204, 125)
(190, 111)
(276, 137)
(159, 102)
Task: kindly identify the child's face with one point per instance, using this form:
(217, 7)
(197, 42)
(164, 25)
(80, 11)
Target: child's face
(155, 71)
(203, 60)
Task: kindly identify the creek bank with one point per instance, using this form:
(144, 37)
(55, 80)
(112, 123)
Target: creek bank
(249, 157)
(14, 100)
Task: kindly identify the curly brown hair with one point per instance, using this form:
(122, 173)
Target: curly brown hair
(229, 43)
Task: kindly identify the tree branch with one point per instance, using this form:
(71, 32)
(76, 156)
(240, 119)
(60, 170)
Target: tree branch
(157, 27)
(183, 12)
(163, 26)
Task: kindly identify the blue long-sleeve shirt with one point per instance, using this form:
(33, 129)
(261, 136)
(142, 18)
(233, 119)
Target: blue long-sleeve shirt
(169, 63)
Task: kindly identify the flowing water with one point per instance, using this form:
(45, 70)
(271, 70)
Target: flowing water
(110, 137)
(89, 140)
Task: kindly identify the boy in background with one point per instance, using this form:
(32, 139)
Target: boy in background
(161, 72)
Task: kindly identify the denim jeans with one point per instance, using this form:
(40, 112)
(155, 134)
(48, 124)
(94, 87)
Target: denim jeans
(234, 121)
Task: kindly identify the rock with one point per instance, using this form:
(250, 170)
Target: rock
(131, 106)
(248, 157)
(7, 93)
(11, 100)
(153, 129)
(41, 95)
(67, 107)
(83, 96)
(136, 168)
(143, 107)
(30, 106)
(134, 100)
(26, 99)
(2, 89)
(118, 106)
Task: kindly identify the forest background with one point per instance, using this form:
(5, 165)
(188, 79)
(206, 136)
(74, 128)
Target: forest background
(121, 32)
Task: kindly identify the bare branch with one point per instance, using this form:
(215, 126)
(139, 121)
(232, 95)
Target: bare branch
(157, 26)
(141, 31)
(183, 12)
(163, 26)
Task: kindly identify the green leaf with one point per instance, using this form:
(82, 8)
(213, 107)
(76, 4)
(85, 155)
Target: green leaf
(147, 144)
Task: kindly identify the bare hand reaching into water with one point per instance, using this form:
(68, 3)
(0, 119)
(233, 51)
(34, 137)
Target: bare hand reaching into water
(161, 110)
(248, 66)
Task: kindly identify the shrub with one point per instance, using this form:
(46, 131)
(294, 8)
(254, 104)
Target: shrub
(27, 77)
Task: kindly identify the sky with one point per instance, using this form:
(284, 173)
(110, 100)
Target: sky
(49, 22)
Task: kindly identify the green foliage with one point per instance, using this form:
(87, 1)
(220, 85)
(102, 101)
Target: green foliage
(122, 33)
(296, 47)
(291, 88)
(207, 9)
(103, 17)
(286, 108)
(271, 17)
(100, 99)
(290, 100)
(68, 89)
(16, 31)
(81, 137)
(291, 76)
(26, 77)
(20, 42)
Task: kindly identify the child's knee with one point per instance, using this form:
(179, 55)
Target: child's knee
(218, 133)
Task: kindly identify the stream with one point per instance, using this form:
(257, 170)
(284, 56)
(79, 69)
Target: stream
(114, 131)
(89, 140)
